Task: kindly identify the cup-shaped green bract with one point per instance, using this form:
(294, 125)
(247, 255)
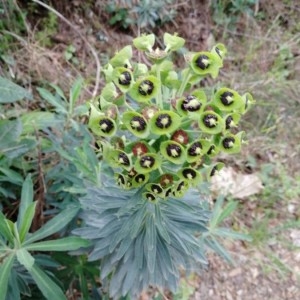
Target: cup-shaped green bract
(136, 124)
(211, 122)
(173, 42)
(191, 175)
(173, 151)
(157, 56)
(100, 124)
(204, 63)
(164, 122)
(151, 197)
(122, 57)
(145, 89)
(155, 188)
(109, 92)
(180, 188)
(231, 143)
(248, 101)
(140, 179)
(232, 120)
(123, 78)
(227, 100)
(212, 151)
(214, 169)
(121, 180)
(148, 162)
(196, 150)
(118, 158)
(220, 50)
(144, 42)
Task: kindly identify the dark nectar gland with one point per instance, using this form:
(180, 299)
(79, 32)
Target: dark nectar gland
(229, 122)
(218, 52)
(163, 121)
(140, 178)
(189, 174)
(123, 159)
(195, 149)
(191, 104)
(173, 150)
(156, 189)
(210, 120)
(227, 98)
(202, 62)
(106, 125)
(121, 180)
(211, 150)
(150, 197)
(125, 78)
(146, 88)
(138, 123)
(147, 162)
(228, 142)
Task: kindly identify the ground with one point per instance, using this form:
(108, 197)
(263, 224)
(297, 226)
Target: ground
(263, 57)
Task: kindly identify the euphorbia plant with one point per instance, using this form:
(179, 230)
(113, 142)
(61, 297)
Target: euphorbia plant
(159, 135)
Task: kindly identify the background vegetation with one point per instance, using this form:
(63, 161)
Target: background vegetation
(45, 151)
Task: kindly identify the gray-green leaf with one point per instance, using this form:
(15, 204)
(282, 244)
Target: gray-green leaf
(64, 244)
(11, 92)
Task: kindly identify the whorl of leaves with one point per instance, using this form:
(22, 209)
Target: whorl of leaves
(141, 244)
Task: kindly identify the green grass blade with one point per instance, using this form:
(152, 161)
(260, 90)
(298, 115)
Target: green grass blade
(5, 270)
(47, 286)
(64, 244)
(27, 220)
(54, 225)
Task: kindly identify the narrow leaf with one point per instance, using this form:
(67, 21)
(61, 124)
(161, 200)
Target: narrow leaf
(5, 269)
(47, 286)
(27, 220)
(64, 244)
(26, 199)
(25, 258)
(54, 101)
(5, 230)
(75, 91)
(227, 233)
(54, 225)
(227, 211)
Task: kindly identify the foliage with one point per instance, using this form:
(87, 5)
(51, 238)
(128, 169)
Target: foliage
(227, 13)
(144, 13)
(16, 243)
(158, 136)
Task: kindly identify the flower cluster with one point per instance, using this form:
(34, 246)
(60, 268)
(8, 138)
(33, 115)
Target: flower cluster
(155, 127)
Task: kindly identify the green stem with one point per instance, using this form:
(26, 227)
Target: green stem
(159, 101)
(184, 83)
(151, 142)
(160, 170)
